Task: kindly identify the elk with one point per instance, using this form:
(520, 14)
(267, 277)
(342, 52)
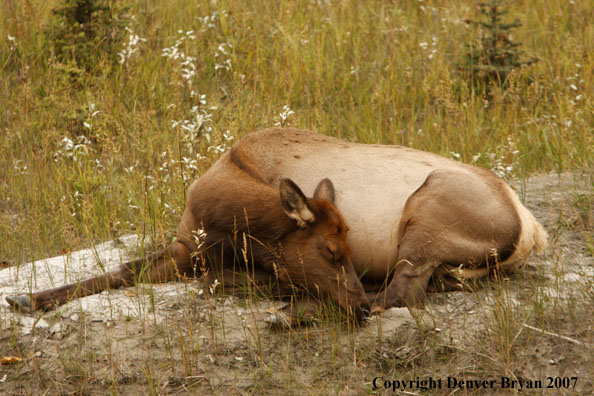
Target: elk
(411, 216)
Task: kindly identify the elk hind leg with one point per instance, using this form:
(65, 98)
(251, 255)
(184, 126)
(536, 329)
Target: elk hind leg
(449, 224)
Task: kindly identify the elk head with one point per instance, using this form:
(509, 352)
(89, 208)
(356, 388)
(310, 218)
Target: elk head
(316, 255)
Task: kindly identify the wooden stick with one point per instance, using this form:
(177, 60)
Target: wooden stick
(576, 342)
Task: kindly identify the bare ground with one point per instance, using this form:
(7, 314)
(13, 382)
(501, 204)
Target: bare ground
(170, 339)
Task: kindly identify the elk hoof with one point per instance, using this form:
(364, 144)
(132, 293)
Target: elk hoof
(279, 319)
(377, 310)
(286, 318)
(22, 302)
(365, 314)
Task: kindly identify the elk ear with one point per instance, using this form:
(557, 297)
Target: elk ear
(295, 203)
(325, 190)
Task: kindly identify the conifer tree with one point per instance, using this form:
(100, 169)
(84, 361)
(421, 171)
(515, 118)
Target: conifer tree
(495, 55)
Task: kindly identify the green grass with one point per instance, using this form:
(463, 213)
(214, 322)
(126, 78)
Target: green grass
(376, 72)
(368, 71)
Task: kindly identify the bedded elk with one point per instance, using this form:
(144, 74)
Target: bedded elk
(411, 215)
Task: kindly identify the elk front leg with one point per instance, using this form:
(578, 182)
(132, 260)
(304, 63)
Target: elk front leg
(407, 287)
(162, 266)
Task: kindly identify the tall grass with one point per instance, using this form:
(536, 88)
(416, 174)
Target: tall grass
(376, 72)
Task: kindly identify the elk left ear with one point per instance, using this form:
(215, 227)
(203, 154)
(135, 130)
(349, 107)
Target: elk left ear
(295, 203)
(325, 190)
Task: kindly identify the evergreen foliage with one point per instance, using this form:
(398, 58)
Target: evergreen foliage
(86, 34)
(495, 55)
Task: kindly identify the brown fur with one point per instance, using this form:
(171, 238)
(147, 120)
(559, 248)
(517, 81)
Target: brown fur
(411, 214)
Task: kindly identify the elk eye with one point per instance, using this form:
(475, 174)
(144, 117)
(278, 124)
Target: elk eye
(330, 251)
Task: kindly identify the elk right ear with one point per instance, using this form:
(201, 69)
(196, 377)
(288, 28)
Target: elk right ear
(295, 203)
(325, 190)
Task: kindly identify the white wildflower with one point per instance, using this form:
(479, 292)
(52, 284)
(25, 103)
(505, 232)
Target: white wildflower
(222, 57)
(186, 62)
(214, 286)
(12, 40)
(74, 150)
(131, 47)
(20, 167)
(211, 21)
(228, 136)
(284, 116)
